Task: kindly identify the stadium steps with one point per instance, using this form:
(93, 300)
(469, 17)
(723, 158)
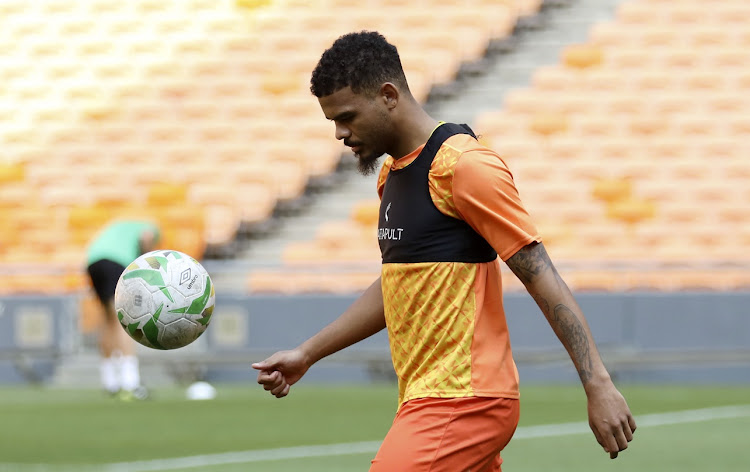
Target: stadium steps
(537, 44)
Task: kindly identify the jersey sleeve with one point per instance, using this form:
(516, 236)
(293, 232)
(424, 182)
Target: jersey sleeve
(485, 196)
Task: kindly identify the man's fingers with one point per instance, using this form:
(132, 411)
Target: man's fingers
(631, 423)
(627, 430)
(615, 438)
(270, 380)
(265, 376)
(620, 437)
(279, 389)
(274, 382)
(598, 436)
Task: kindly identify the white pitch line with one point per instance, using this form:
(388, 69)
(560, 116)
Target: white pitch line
(244, 457)
(654, 419)
(369, 447)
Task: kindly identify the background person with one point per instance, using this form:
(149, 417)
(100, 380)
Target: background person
(115, 247)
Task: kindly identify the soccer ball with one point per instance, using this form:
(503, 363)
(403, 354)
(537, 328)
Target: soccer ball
(164, 299)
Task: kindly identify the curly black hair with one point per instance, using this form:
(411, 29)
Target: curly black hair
(363, 61)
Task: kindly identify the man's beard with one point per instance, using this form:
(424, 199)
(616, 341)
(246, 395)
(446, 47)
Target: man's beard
(368, 165)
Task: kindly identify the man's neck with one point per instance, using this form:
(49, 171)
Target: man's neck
(416, 131)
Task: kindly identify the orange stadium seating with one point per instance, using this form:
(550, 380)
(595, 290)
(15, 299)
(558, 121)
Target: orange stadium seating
(645, 128)
(172, 110)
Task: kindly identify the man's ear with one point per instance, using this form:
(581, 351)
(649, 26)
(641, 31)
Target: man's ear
(390, 95)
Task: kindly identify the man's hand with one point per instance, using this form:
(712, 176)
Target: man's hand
(610, 418)
(282, 370)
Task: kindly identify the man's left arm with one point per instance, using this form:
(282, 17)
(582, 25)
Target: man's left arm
(609, 415)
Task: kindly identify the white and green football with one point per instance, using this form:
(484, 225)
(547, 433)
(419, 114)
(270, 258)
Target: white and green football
(164, 299)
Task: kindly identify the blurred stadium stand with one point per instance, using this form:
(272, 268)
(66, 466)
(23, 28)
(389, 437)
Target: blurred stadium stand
(194, 113)
(630, 152)
(625, 123)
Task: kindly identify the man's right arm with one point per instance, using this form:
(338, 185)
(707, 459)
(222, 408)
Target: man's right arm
(365, 317)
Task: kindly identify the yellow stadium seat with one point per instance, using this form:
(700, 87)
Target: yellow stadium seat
(191, 243)
(611, 190)
(75, 193)
(366, 212)
(282, 83)
(222, 224)
(567, 147)
(696, 125)
(593, 126)
(12, 172)
(305, 252)
(252, 4)
(602, 80)
(10, 7)
(87, 217)
(258, 201)
(582, 56)
(655, 80)
(555, 78)
(289, 177)
(631, 211)
(654, 36)
(645, 125)
(525, 101)
(704, 80)
(547, 124)
(635, 12)
(739, 125)
(678, 60)
(610, 34)
(166, 193)
(497, 123)
(346, 233)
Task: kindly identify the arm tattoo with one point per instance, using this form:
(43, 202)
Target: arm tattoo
(543, 304)
(572, 331)
(529, 262)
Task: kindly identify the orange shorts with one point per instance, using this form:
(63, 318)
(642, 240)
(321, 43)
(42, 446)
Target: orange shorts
(448, 435)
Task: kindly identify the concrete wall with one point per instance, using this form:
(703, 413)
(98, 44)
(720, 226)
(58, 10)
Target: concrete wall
(644, 337)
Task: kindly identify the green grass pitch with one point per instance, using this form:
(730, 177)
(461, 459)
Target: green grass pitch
(60, 430)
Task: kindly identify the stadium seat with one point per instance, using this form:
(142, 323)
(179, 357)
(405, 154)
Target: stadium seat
(547, 124)
(582, 56)
(12, 172)
(165, 193)
(366, 212)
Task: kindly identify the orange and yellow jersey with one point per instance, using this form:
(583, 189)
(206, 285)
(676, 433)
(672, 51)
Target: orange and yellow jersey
(446, 324)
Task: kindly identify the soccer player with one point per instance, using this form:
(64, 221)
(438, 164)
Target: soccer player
(116, 246)
(449, 211)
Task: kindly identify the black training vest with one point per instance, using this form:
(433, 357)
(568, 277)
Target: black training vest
(411, 228)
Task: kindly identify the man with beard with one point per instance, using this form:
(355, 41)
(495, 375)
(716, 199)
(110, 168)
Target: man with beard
(449, 212)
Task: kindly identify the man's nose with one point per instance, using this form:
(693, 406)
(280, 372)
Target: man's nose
(342, 132)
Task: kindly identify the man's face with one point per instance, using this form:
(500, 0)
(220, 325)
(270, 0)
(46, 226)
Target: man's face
(362, 122)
